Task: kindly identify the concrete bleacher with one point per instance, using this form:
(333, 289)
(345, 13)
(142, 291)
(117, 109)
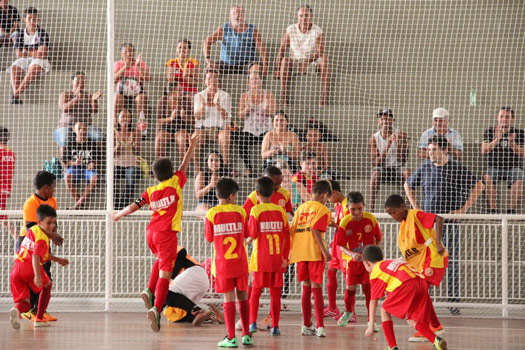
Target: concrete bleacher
(408, 57)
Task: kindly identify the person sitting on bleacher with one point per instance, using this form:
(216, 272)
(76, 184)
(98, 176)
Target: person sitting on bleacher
(307, 47)
(440, 119)
(212, 108)
(281, 144)
(31, 48)
(9, 19)
(504, 147)
(77, 105)
(81, 157)
(239, 42)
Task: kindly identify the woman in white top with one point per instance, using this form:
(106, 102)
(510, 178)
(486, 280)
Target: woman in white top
(256, 108)
(281, 144)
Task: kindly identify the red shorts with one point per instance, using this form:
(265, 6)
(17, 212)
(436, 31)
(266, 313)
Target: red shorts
(310, 270)
(22, 278)
(3, 206)
(434, 275)
(352, 279)
(267, 279)
(164, 246)
(225, 285)
(411, 301)
(337, 258)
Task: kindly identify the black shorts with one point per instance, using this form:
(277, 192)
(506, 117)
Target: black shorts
(391, 175)
(176, 126)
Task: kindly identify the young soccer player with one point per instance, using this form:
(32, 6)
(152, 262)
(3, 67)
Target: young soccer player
(309, 251)
(7, 169)
(165, 200)
(337, 263)
(419, 241)
(225, 226)
(268, 226)
(27, 272)
(407, 297)
(355, 232)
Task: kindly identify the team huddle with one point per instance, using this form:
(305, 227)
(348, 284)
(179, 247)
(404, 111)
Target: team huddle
(264, 222)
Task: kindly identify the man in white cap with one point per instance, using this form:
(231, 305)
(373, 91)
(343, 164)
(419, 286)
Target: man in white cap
(440, 118)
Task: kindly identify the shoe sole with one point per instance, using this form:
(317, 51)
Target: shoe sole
(417, 339)
(155, 326)
(14, 318)
(40, 324)
(440, 332)
(146, 301)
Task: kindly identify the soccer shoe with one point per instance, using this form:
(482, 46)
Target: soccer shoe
(218, 314)
(40, 322)
(14, 317)
(440, 344)
(320, 332)
(275, 331)
(417, 338)
(376, 328)
(154, 317)
(439, 330)
(267, 323)
(30, 315)
(337, 317)
(308, 330)
(253, 327)
(50, 318)
(346, 318)
(247, 340)
(227, 343)
(201, 317)
(392, 348)
(328, 312)
(147, 297)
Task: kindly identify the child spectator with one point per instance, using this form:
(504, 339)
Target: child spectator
(27, 272)
(130, 75)
(225, 226)
(314, 144)
(309, 251)
(184, 70)
(9, 19)
(268, 226)
(165, 200)
(126, 158)
(356, 230)
(206, 182)
(407, 296)
(7, 170)
(305, 178)
(31, 48)
(81, 158)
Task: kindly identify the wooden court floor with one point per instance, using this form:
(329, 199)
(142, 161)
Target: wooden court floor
(130, 331)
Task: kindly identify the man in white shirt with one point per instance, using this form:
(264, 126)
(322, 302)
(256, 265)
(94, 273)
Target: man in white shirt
(212, 108)
(306, 43)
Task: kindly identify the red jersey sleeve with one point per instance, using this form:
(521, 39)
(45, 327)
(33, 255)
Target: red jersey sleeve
(377, 233)
(288, 206)
(41, 249)
(426, 219)
(248, 205)
(340, 237)
(377, 289)
(253, 227)
(286, 243)
(208, 230)
(321, 224)
(182, 178)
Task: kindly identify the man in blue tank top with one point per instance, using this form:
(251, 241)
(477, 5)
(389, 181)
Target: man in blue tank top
(239, 42)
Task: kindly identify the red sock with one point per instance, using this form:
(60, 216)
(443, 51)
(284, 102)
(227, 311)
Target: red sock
(306, 305)
(161, 292)
(331, 288)
(349, 300)
(434, 321)
(244, 311)
(43, 301)
(254, 303)
(23, 307)
(229, 318)
(154, 277)
(388, 329)
(426, 331)
(275, 305)
(318, 306)
(366, 291)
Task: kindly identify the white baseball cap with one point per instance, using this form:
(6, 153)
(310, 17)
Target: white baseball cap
(440, 113)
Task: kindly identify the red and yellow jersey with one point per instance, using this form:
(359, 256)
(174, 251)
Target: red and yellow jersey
(310, 216)
(165, 200)
(35, 242)
(30, 207)
(191, 63)
(417, 241)
(268, 225)
(225, 226)
(7, 169)
(355, 235)
(388, 275)
(280, 197)
(308, 182)
(340, 211)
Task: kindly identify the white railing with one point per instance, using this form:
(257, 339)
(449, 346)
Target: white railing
(491, 260)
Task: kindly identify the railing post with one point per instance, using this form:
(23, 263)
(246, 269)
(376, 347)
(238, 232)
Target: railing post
(504, 268)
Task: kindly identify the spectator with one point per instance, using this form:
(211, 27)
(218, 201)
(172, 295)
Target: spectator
(9, 19)
(306, 42)
(504, 147)
(31, 48)
(288, 184)
(315, 145)
(212, 108)
(81, 157)
(389, 152)
(305, 178)
(206, 182)
(440, 118)
(239, 41)
(7, 170)
(77, 105)
(130, 75)
(281, 144)
(126, 152)
(256, 108)
(448, 187)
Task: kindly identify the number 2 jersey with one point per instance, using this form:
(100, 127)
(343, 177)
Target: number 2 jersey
(225, 226)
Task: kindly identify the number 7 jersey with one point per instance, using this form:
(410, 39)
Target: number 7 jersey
(225, 226)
